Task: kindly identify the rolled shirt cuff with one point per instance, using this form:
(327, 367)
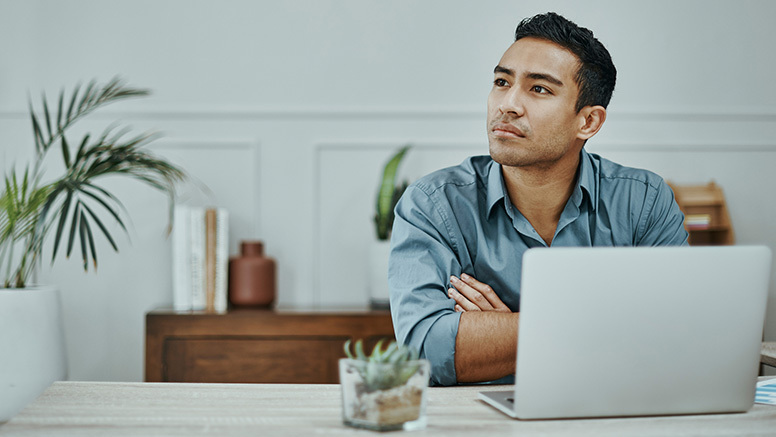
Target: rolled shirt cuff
(439, 348)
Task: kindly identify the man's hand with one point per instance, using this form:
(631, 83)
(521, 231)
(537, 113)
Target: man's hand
(472, 295)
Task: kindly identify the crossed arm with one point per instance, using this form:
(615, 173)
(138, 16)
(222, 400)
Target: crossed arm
(486, 344)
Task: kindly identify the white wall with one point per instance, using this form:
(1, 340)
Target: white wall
(287, 110)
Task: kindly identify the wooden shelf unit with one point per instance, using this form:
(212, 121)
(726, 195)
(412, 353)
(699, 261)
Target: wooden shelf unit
(255, 346)
(707, 219)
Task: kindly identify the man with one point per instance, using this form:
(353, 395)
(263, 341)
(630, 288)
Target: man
(460, 233)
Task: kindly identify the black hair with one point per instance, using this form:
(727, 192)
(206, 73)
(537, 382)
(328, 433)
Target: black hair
(596, 75)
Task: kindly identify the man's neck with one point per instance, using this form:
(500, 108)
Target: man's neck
(541, 193)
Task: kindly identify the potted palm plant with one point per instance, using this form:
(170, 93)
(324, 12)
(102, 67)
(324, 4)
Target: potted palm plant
(72, 207)
(388, 195)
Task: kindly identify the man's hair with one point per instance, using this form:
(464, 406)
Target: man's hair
(596, 75)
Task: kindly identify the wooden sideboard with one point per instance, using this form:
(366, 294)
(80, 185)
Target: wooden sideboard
(255, 346)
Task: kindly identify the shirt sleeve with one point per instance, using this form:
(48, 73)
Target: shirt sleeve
(421, 261)
(662, 224)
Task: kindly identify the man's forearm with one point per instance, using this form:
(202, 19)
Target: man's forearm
(486, 345)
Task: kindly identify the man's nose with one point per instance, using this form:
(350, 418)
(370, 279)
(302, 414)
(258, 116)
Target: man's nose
(512, 103)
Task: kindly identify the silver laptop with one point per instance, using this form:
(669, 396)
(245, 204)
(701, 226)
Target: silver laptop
(608, 332)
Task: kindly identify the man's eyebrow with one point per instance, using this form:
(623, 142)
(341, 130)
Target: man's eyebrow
(505, 70)
(530, 75)
(544, 76)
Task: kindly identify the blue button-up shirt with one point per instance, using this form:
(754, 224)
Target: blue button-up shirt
(461, 220)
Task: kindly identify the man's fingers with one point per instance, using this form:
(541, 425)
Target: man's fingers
(486, 291)
(462, 301)
(472, 294)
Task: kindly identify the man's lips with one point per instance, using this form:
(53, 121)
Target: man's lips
(507, 130)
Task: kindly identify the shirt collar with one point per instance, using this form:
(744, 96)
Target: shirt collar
(497, 189)
(586, 180)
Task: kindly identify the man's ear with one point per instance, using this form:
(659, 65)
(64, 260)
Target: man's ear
(591, 118)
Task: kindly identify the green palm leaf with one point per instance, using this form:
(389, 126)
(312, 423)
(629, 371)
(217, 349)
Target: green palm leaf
(102, 227)
(73, 228)
(83, 235)
(61, 226)
(105, 204)
(20, 203)
(29, 209)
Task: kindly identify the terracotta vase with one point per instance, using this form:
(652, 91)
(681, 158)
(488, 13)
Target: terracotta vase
(252, 276)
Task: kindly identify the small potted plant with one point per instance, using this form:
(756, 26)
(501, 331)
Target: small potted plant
(386, 390)
(388, 195)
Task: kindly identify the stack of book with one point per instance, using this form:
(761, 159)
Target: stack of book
(697, 221)
(200, 258)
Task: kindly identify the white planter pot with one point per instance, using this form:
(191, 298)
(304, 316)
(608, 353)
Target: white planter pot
(378, 274)
(32, 346)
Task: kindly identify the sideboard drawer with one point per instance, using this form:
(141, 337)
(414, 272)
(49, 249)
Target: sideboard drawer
(302, 360)
(255, 346)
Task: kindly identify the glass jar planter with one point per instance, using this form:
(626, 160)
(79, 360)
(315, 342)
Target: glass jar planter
(384, 396)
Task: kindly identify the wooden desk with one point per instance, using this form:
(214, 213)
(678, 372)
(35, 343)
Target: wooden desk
(255, 346)
(119, 409)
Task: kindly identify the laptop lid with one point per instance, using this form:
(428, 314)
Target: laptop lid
(639, 331)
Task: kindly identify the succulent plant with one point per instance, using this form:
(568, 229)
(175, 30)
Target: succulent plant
(386, 367)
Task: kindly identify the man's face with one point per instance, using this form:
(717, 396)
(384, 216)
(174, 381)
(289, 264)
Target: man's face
(532, 120)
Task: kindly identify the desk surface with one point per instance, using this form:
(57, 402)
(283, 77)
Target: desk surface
(172, 409)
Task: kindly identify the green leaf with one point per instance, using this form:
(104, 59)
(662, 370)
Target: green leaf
(49, 198)
(377, 351)
(59, 110)
(25, 180)
(360, 350)
(48, 117)
(389, 177)
(72, 104)
(390, 351)
(107, 194)
(65, 151)
(82, 235)
(73, 227)
(87, 96)
(102, 228)
(346, 347)
(81, 148)
(89, 239)
(61, 226)
(36, 131)
(105, 205)
(385, 195)
(401, 355)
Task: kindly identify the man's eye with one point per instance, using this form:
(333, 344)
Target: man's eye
(540, 89)
(500, 82)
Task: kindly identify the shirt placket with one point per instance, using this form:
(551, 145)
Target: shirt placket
(522, 225)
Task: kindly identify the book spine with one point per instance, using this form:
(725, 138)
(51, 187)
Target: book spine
(181, 267)
(197, 258)
(210, 259)
(222, 260)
